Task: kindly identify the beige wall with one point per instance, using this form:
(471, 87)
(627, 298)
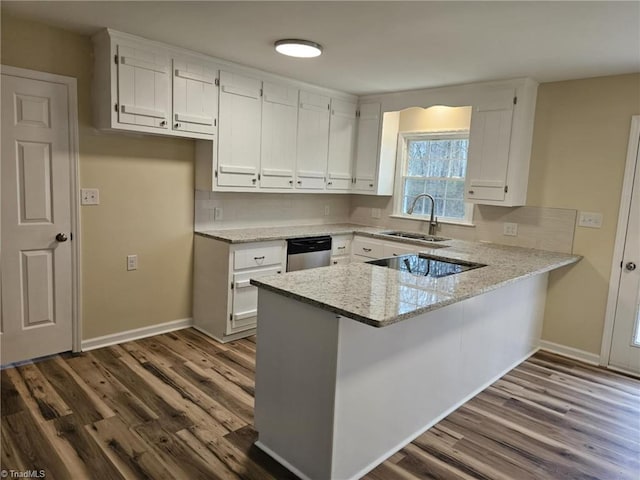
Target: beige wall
(437, 118)
(578, 158)
(146, 198)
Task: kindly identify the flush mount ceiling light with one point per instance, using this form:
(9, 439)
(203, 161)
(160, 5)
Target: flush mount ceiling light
(298, 48)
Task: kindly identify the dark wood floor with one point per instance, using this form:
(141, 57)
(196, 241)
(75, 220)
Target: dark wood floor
(180, 406)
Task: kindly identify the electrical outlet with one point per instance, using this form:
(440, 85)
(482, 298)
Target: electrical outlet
(510, 229)
(327, 210)
(132, 262)
(590, 220)
(217, 213)
(89, 196)
(375, 213)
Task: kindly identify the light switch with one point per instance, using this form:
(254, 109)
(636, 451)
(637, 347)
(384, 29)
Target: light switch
(89, 196)
(327, 210)
(590, 220)
(132, 262)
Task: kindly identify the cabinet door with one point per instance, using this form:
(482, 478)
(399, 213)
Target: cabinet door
(143, 87)
(239, 130)
(245, 299)
(195, 97)
(368, 146)
(279, 131)
(489, 141)
(313, 141)
(342, 135)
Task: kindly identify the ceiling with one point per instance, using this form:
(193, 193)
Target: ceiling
(373, 47)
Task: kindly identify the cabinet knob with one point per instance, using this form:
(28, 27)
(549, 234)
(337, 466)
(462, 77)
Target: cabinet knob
(299, 182)
(335, 262)
(290, 182)
(254, 180)
(163, 123)
(178, 125)
(471, 192)
(371, 184)
(329, 183)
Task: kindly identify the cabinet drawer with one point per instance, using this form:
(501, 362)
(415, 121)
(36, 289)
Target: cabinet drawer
(245, 299)
(395, 250)
(367, 248)
(340, 246)
(340, 260)
(257, 257)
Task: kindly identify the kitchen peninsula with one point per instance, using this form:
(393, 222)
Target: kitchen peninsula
(356, 360)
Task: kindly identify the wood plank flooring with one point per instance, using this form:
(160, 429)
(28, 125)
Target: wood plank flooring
(180, 406)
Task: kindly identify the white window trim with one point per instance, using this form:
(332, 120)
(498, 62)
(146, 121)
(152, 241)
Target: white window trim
(467, 220)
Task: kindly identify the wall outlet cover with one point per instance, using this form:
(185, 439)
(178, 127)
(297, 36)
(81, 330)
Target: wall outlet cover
(375, 213)
(217, 213)
(89, 196)
(590, 219)
(327, 210)
(510, 229)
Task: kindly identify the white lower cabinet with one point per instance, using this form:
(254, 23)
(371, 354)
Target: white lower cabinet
(364, 249)
(341, 249)
(224, 301)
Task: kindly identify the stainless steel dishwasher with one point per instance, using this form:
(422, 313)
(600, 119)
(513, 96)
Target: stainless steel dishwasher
(309, 252)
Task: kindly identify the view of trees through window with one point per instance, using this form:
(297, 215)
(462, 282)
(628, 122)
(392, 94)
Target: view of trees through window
(435, 164)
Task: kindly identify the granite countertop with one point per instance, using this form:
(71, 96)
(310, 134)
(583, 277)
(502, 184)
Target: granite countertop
(381, 296)
(263, 234)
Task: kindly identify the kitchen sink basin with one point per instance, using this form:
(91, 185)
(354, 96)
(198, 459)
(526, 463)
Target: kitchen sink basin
(415, 236)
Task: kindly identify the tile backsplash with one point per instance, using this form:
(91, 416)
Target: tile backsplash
(538, 227)
(265, 209)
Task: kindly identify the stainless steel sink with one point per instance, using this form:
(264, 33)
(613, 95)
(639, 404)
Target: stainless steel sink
(415, 236)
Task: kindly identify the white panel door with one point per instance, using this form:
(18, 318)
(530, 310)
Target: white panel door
(239, 130)
(143, 87)
(342, 143)
(368, 147)
(279, 132)
(313, 141)
(489, 142)
(625, 344)
(36, 220)
(195, 96)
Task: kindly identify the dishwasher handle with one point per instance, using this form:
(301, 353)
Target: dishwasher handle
(306, 245)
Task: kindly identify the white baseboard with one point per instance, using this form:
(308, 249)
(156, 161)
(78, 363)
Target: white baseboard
(135, 334)
(570, 352)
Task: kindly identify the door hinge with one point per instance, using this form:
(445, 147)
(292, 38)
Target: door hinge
(506, 188)
(231, 317)
(231, 285)
(215, 122)
(115, 58)
(215, 173)
(515, 100)
(217, 82)
(261, 92)
(258, 176)
(357, 113)
(71, 236)
(115, 107)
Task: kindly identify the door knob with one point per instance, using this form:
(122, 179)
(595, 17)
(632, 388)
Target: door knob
(630, 266)
(61, 237)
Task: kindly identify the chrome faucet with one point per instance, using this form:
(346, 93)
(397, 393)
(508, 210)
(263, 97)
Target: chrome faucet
(433, 221)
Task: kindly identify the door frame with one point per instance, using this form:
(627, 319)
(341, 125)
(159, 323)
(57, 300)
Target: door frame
(623, 219)
(76, 251)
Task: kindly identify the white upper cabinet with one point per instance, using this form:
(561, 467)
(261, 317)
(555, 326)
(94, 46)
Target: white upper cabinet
(195, 96)
(313, 141)
(369, 123)
(500, 145)
(143, 87)
(279, 135)
(342, 138)
(239, 130)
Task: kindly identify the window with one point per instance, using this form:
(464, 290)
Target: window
(434, 163)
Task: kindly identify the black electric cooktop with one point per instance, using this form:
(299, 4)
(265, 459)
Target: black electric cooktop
(426, 266)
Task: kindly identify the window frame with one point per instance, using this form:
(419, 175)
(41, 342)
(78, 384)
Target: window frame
(401, 160)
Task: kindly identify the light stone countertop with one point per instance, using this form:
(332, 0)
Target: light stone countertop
(263, 234)
(381, 296)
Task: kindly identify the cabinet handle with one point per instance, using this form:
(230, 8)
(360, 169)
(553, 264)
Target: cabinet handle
(279, 271)
(254, 180)
(178, 125)
(371, 184)
(471, 192)
(366, 249)
(163, 123)
(335, 262)
(395, 254)
(259, 258)
(329, 183)
(342, 248)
